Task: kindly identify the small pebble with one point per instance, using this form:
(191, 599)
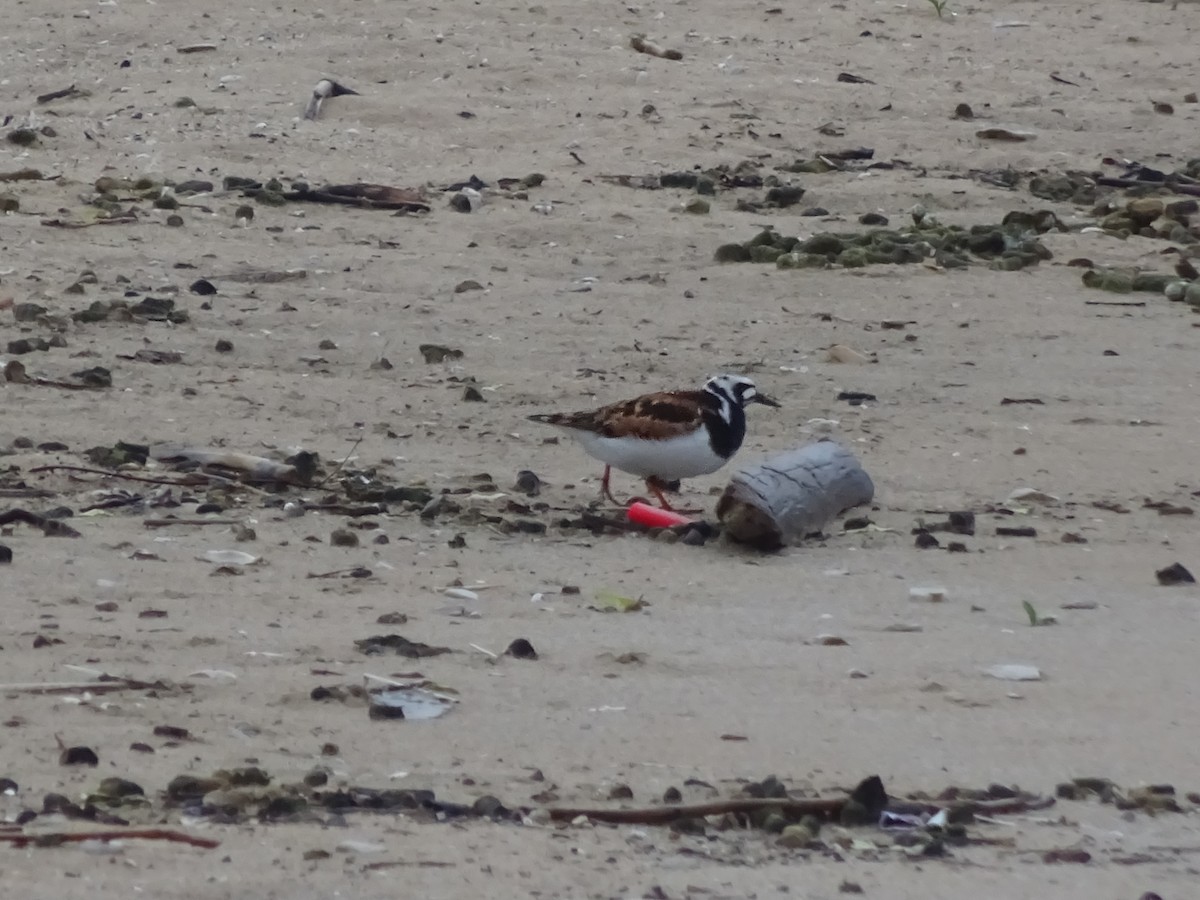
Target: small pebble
(796, 837)
(528, 483)
(521, 649)
(1174, 574)
(343, 537)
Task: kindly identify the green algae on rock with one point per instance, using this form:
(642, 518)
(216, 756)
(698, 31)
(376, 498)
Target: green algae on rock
(1008, 246)
(1126, 281)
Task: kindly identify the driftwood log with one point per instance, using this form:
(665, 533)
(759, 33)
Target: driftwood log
(782, 500)
(252, 468)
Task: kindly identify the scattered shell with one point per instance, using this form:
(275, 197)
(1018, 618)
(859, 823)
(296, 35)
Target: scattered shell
(1031, 495)
(840, 353)
(413, 704)
(928, 594)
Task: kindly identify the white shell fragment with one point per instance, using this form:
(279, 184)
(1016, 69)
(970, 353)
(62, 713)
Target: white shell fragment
(230, 558)
(1014, 672)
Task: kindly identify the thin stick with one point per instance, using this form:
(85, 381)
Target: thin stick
(162, 523)
(71, 687)
(115, 220)
(194, 482)
(197, 479)
(336, 573)
(53, 839)
(999, 807)
(339, 466)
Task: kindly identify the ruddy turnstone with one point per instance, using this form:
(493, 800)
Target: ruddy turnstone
(665, 436)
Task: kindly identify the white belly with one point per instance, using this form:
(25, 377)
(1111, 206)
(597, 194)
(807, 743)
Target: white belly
(680, 457)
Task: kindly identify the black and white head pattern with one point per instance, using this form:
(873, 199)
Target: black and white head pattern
(732, 390)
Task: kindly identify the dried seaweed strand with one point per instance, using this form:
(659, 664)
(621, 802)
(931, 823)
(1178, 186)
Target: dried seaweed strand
(53, 839)
(663, 815)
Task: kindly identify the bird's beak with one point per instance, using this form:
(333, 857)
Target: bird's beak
(765, 400)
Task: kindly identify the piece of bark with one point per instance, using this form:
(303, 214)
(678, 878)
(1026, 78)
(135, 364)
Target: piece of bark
(784, 499)
(641, 45)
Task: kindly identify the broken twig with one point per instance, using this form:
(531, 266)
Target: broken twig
(186, 481)
(113, 220)
(69, 92)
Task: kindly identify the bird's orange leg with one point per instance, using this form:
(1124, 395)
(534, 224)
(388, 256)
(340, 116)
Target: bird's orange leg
(605, 490)
(653, 484)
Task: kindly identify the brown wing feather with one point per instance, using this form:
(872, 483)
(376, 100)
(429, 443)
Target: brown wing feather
(651, 417)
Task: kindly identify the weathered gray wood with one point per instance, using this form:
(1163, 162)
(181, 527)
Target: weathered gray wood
(790, 496)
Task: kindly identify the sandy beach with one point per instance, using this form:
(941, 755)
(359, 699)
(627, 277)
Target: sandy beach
(591, 285)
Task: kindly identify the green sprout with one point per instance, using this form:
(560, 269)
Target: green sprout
(1034, 618)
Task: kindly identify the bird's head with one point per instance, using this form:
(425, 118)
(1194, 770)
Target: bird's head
(738, 389)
